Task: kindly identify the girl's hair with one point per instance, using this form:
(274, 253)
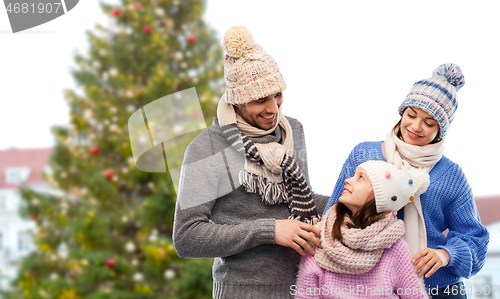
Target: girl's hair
(363, 218)
(397, 128)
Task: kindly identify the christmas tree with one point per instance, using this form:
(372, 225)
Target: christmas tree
(105, 231)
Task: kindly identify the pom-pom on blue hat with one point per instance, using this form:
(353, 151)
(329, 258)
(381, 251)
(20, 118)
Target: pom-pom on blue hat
(437, 95)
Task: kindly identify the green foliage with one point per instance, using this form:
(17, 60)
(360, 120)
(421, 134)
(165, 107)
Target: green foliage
(105, 231)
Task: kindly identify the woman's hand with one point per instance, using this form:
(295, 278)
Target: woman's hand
(427, 258)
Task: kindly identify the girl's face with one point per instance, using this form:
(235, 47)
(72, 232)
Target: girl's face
(418, 127)
(357, 190)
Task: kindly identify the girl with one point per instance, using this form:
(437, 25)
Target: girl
(364, 253)
(417, 141)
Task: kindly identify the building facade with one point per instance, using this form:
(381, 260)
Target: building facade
(486, 284)
(18, 167)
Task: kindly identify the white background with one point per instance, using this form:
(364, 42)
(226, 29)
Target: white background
(348, 65)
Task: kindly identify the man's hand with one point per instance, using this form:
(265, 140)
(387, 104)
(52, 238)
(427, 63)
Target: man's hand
(295, 234)
(428, 258)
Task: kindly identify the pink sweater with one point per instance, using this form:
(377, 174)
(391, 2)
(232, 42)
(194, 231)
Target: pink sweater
(392, 277)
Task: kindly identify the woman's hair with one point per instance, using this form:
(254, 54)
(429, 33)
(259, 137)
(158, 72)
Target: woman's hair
(364, 217)
(397, 130)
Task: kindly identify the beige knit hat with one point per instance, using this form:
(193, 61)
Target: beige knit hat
(393, 187)
(250, 72)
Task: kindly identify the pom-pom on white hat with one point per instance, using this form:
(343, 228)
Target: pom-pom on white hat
(393, 187)
(250, 73)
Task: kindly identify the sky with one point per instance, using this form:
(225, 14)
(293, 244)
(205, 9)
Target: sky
(348, 65)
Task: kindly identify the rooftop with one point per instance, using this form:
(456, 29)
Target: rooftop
(489, 208)
(35, 159)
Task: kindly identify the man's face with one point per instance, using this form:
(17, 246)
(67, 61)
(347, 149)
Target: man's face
(261, 113)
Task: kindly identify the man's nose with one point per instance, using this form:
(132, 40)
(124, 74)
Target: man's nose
(271, 105)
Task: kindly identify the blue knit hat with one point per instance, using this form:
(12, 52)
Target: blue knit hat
(437, 95)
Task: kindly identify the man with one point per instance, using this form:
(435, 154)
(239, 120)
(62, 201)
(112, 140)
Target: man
(244, 197)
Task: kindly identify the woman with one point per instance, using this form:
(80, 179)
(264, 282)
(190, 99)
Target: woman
(417, 141)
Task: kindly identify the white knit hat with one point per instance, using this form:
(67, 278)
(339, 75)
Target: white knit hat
(250, 73)
(393, 187)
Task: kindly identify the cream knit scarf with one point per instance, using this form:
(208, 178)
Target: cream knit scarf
(270, 169)
(361, 249)
(420, 157)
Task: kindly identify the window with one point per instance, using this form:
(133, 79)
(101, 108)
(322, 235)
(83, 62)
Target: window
(16, 175)
(1, 240)
(3, 203)
(24, 241)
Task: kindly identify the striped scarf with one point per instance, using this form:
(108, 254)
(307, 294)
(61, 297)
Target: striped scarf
(270, 169)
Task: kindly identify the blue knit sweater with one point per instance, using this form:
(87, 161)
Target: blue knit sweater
(447, 204)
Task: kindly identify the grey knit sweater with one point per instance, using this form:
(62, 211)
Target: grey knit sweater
(216, 218)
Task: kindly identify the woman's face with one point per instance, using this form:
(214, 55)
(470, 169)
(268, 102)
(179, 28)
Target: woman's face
(418, 127)
(356, 191)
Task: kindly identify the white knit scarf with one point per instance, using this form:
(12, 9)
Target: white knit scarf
(408, 156)
(360, 249)
(270, 169)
